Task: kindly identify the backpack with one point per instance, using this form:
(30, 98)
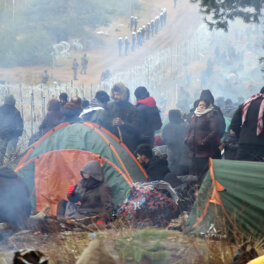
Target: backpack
(150, 204)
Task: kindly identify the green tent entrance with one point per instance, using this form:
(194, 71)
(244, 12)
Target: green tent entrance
(230, 200)
(55, 160)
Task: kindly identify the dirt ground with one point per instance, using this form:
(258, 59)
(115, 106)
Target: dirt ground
(124, 245)
(181, 24)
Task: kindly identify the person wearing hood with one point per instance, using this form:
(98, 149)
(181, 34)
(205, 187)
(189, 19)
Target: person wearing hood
(98, 104)
(72, 110)
(53, 117)
(247, 125)
(156, 166)
(11, 128)
(149, 115)
(207, 96)
(93, 194)
(173, 134)
(121, 117)
(202, 137)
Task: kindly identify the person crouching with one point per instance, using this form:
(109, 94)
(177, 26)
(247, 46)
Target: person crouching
(93, 194)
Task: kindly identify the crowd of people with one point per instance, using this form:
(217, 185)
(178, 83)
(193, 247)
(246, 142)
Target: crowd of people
(141, 34)
(166, 149)
(209, 129)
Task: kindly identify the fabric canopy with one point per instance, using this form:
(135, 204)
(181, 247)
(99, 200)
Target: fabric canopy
(54, 162)
(230, 200)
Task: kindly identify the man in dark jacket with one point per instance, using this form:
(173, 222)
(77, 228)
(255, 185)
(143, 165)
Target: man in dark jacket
(156, 167)
(174, 135)
(149, 115)
(247, 124)
(121, 117)
(93, 194)
(11, 128)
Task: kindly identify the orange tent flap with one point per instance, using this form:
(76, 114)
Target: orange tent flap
(219, 187)
(54, 173)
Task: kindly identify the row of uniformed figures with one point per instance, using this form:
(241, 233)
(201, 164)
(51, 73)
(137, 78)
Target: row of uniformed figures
(143, 33)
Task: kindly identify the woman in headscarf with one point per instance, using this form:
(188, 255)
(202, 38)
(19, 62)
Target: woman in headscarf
(202, 138)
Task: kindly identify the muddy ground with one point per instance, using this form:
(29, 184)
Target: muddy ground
(124, 245)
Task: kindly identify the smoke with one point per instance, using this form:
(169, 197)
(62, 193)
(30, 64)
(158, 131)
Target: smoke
(15, 206)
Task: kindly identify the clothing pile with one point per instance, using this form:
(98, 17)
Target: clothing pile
(150, 204)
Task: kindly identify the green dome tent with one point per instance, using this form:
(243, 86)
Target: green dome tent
(54, 162)
(230, 200)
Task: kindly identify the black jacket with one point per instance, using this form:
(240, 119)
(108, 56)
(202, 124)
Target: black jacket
(95, 195)
(11, 124)
(129, 131)
(157, 168)
(247, 133)
(150, 120)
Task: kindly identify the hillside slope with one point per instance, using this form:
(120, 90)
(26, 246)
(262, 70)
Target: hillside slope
(181, 24)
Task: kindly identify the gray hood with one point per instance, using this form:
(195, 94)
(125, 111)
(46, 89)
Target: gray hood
(94, 169)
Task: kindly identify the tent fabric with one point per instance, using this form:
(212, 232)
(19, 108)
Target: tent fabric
(230, 199)
(54, 162)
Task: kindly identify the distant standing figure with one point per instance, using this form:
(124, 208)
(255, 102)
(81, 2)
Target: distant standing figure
(152, 26)
(132, 22)
(11, 128)
(75, 66)
(135, 23)
(45, 77)
(143, 31)
(127, 43)
(139, 38)
(84, 63)
(120, 44)
(165, 16)
(161, 19)
(157, 25)
(134, 38)
(174, 3)
(147, 31)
